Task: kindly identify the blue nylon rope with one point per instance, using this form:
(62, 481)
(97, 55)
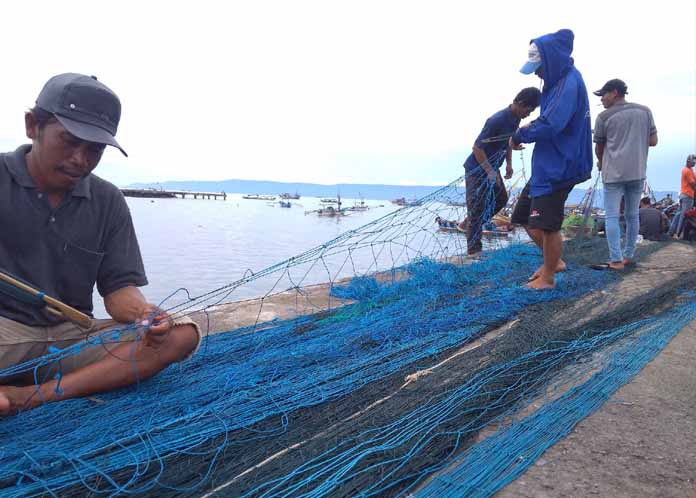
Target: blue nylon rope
(255, 374)
(492, 464)
(245, 377)
(487, 467)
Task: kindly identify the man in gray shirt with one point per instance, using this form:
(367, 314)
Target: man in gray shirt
(622, 134)
(64, 230)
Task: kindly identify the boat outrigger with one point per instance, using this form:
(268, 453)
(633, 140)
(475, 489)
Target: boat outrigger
(330, 211)
(401, 201)
(359, 206)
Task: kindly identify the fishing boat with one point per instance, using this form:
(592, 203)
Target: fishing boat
(359, 206)
(454, 229)
(582, 218)
(498, 227)
(330, 211)
(450, 226)
(285, 204)
(259, 197)
(329, 200)
(497, 233)
(286, 196)
(401, 201)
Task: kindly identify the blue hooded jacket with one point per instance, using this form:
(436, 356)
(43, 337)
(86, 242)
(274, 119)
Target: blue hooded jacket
(563, 134)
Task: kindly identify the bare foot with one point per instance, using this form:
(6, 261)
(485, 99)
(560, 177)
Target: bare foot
(561, 267)
(541, 283)
(14, 399)
(628, 262)
(616, 265)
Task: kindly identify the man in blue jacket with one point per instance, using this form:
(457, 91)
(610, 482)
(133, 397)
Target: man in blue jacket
(562, 155)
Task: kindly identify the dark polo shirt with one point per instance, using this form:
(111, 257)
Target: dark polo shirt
(88, 239)
(503, 122)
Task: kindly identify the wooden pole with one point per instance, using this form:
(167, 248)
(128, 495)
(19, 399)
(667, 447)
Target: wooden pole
(54, 306)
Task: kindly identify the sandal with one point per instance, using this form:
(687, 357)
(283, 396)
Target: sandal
(604, 266)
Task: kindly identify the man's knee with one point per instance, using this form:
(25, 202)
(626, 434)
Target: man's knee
(183, 341)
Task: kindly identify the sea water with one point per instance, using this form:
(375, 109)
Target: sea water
(204, 244)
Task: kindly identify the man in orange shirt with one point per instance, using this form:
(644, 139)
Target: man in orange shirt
(686, 196)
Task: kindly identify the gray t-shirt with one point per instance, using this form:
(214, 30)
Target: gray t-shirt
(88, 239)
(625, 129)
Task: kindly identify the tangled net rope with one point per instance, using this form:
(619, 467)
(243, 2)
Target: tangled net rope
(394, 297)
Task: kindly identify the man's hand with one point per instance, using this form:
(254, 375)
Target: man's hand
(490, 172)
(515, 146)
(157, 325)
(492, 175)
(508, 171)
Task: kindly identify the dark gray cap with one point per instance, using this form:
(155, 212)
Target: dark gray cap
(84, 106)
(611, 85)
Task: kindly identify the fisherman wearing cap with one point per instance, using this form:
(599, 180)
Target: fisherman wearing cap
(64, 230)
(562, 153)
(622, 134)
(686, 196)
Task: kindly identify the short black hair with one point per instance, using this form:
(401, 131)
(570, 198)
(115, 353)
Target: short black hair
(528, 97)
(42, 116)
(645, 200)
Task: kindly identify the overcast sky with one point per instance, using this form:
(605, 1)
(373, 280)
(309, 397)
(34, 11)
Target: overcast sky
(327, 92)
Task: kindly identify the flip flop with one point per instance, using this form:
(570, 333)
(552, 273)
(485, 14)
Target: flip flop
(604, 266)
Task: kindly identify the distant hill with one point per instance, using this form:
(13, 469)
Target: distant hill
(346, 190)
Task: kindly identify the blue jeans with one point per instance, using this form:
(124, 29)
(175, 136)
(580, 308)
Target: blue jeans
(631, 192)
(685, 203)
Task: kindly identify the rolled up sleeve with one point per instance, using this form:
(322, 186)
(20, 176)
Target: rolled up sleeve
(122, 264)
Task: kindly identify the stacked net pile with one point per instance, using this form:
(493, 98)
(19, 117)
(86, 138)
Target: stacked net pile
(314, 403)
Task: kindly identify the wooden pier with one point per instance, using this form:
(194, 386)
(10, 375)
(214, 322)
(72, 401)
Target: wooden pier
(170, 194)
